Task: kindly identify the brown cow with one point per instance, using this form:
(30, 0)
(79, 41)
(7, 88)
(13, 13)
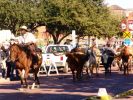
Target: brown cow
(126, 55)
(76, 62)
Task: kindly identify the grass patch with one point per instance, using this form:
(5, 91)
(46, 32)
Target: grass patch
(121, 95)
(93, 98)
(124, 94)
(99, 98)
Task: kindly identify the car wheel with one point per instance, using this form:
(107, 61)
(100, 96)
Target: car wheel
(65, 70)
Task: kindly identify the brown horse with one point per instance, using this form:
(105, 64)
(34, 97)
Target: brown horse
(24, 60)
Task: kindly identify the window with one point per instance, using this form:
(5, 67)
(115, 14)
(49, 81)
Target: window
(52, 49)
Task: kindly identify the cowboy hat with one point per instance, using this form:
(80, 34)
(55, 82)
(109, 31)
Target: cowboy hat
(23, 28)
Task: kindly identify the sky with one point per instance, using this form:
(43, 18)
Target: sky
(122, 3)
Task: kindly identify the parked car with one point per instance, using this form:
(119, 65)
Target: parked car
(56, 53)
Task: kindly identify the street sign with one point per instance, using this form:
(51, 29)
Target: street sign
(127, 34)
(123, 25)
(127, 41)
(130, 25)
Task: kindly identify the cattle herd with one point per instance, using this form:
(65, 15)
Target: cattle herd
(90, 59)
(78, 59)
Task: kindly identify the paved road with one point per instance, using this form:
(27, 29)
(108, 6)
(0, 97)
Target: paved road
(61, 87)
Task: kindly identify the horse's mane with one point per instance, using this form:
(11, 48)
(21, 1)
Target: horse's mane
(23, 48)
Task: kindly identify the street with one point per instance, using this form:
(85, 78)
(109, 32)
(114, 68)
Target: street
(61, 87)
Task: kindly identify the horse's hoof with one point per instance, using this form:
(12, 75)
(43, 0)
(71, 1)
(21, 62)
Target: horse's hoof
(21, 89)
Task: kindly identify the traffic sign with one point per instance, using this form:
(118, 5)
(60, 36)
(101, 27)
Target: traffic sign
(127, 34)
(127, 41)
(123, 25)
(130, 25)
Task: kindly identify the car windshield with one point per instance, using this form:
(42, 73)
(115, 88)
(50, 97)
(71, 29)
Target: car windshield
(59, 49)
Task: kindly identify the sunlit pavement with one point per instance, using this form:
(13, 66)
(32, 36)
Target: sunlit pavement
(61, 87)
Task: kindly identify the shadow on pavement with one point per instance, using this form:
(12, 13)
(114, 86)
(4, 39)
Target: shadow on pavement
(38, 96)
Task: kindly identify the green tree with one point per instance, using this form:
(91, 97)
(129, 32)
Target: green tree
(87, 17)
(18, 12)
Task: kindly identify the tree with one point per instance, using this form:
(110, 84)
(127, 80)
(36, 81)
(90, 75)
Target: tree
(87, 17)
(18, 12)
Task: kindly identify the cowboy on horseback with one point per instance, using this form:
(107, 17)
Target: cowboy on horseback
(28, 40)
(25, 56)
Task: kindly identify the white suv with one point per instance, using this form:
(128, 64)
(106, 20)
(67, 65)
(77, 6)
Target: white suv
(56, 53)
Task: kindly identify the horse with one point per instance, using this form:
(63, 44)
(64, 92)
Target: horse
(25, 60)
(94, 59)
(126, 56)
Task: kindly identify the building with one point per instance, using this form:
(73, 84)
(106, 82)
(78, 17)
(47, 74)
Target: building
(117, 11)
(120, 13)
